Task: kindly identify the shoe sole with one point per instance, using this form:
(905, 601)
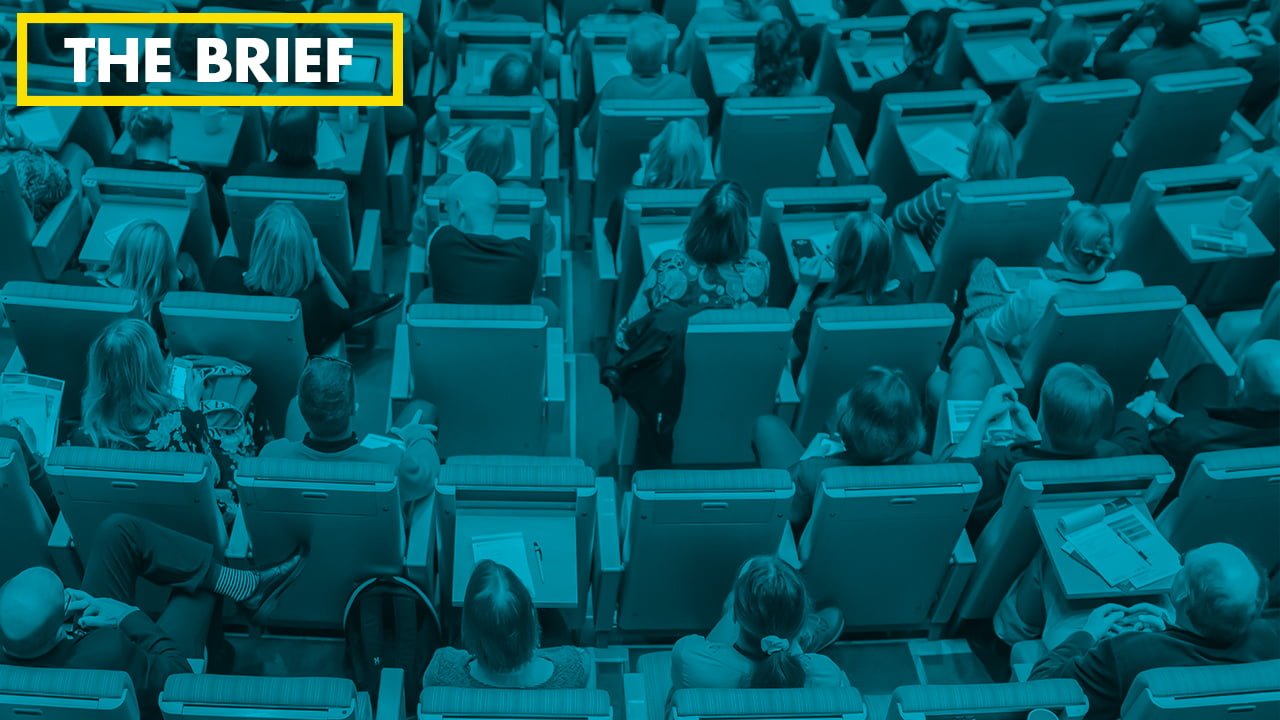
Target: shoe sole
(835, 637)
(269, 604)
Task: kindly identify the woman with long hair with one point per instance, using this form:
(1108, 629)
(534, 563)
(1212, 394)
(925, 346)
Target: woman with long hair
(778, 67)
(676, 161)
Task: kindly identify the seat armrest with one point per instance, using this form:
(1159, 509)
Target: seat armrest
(633, 694)
(605, 261)
(1006, 370)
(1024, 657)
(422, 98)
(429, 169)
(62, 549)
(1118, 152)
(1239, 127)
(401, 371)
(556, 381)
(239, 547)
(959, 569)
(367, 268)
(400, 177)
(59, 236)
(607, 557)
(390, 695)
(419, 553)
(787, 399)
(914, 266)
(849, 165)
(583, 159)
(1193, 345)
(788, 549)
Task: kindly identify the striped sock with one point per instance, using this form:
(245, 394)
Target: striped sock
(235, 584)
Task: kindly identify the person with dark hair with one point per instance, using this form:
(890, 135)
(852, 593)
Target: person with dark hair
(1174, 50)
(877, 422)
(924, 35)
(730, 11)
(716, 267)
(1068, 49)
(326, 401)
(500, 634)
(767, 638)
(514, 76)
(294, 135)
(492, 152)
(648, 79)
(151, 130)
(1218, 597)
(778, 68)
(185, 37)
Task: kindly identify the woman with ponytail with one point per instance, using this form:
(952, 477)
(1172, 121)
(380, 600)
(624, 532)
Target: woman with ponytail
(925, 32)
(767, 639)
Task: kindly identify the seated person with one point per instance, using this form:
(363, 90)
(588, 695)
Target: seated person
(327, 402)
(676, 161)
(21, 433)
(285, 261)
(151, 130)
(1174, 50)
(1251, 420)
(1088, 247)
(42, 180)
(925, 32)
(1067, 52)
(878, 422)
(127, 404)
(855, 273)
(730, 11)
(466, 263)
(500, 636)
(43, 624)
(1076, 420)
(1217, 597)
(715, 268)
(491, 152)
(646, 53)
(766, 639)
(293, 137)
(777, 66)
(991, 157)
(186, 62)
(485, 11)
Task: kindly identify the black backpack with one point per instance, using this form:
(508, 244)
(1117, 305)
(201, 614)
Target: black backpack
(390, 623)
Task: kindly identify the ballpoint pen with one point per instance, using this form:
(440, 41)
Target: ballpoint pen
(537, 553)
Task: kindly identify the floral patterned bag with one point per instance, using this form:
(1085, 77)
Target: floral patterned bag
(221, 389)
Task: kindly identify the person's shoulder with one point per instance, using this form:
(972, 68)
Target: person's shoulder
(448, 668)
(572, 666)
(755, 257)
(281, 448)
(822, 671)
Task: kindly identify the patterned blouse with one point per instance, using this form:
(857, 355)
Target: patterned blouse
(42, 179)
(675, 277)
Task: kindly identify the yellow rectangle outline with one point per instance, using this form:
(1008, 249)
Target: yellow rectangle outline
(394, 19)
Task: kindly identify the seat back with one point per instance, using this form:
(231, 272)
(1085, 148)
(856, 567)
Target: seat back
(322, 202)
(1010, 221)
(693, 529)
(215, 697)
(897, 524)
(174, 490)
(993, 701)
(773, 142)
(179, 201)
(733, 361)
(347, 514)
(1012, 25)
(834, 56)
(472, 48)
(1074, 321)
(836, 703)
(1266, 204)
(906, 118)
(1230, 496)
(647, 214)
(64, 694)
(54, 326)
(846, 342)
(265, 333)
(444, 703)
(462, 113)
(722, 47)
(24, 524)
(22, 256)
(484, 367)
(1093, 114)
(1010, 540)
(624, 132)
(1221, 692)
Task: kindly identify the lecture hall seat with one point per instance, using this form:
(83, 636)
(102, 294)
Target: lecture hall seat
(894, 162)
(215, 697)
(832, 703)
(31, 251)
(1012, 700)
(446, 703)
(67, 694)
(1220, 692)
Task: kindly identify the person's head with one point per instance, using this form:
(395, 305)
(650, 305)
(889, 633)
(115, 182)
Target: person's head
(925, 32)
(746, 10)
(770, 605)
(1218, 592)
(143, 261)
(676, 156)
(127, 386)
(778, 64)
(879, 420)
(492, 152)
(1077, 409)
(472, 203)
(185, 39)
(1087, 240)
(718, 232)
(327, 397)
(1175, 21)
(513, 76)
(32, 607)
(1069, 48)
(151, 129)
(483, 7)
(1259, 375)
(499, 621)
(991, 153)
(862, 255)
(283, 260)
(646, 48)
(294, 133)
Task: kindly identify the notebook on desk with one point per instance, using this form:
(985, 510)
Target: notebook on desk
(944, 150)
(1013, 61)
(506, 549)
(1120, 543)
(37, 401)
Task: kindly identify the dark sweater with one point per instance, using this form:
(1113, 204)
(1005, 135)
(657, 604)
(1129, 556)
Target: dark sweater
(481, 269)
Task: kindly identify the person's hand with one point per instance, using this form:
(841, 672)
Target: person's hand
(1143, 405)
(105, 613)
(26, 431)
(415, 431)
(999, 400)
(76, 602)
(811, 270)
(1103, 619)
(1023, 424)
(1146, 616)
(1260, 35)
(1164, 415)
(822, 445)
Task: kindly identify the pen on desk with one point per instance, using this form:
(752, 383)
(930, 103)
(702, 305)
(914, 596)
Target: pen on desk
(1125, 539)
(537, 553)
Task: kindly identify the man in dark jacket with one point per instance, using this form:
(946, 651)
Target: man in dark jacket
(1217, 597)
(1174, 50)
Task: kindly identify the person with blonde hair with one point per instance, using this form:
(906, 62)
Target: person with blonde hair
(143, 260)
(677, 159)
(1069, 48)
(991, 157)
(151, 131)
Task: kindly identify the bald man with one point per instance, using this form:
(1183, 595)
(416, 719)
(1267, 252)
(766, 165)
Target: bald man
(44, 624)
(1251, 420)
(1174, 49)
(467, 263)
(648, 80)
(1217, 598)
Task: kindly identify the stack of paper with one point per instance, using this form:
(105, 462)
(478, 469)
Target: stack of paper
(1224, 34)
(1120, 543)
(1013, 61)
(507, 549)
(36, 400)
(887, 67)
(330, 149)
(741, 67)
(944, 150)
(960, 415)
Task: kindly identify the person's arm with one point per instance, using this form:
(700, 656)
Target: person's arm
(1109, 61)
(1016, 317)
(163, 656)
(1131, 433)
(420, 463)
(920, 210)
(810, 271)
(642, 304)
(1000, 399)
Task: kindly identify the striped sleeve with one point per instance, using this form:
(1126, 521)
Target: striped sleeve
(920, 210)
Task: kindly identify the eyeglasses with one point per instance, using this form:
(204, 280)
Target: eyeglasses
(330, 358)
